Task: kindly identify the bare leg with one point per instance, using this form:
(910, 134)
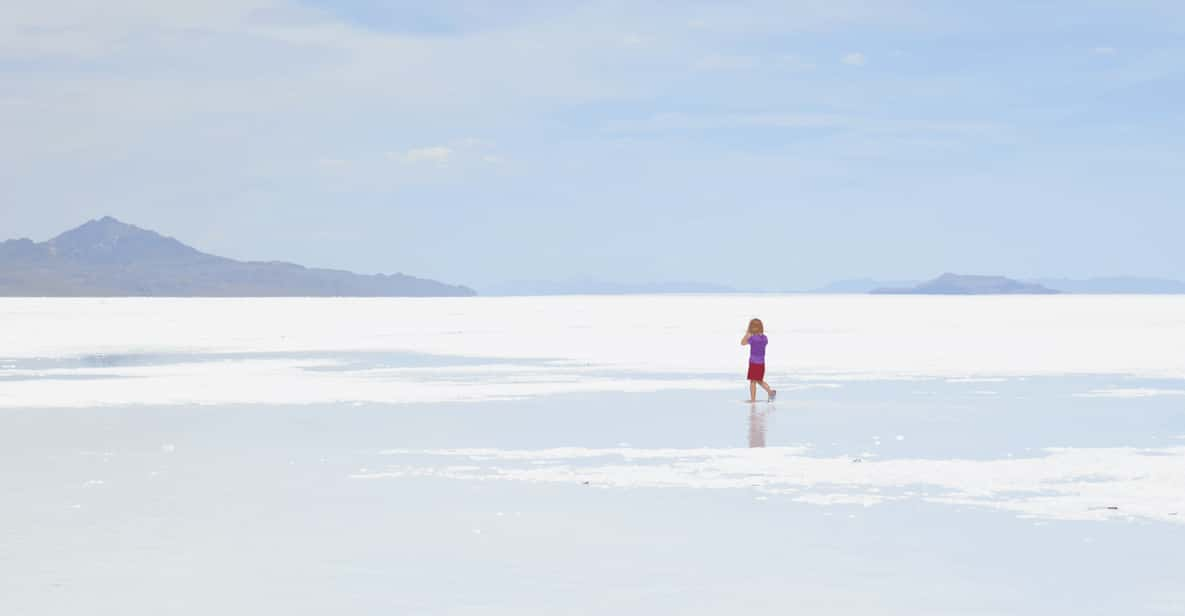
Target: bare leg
(752, 391)
(769, 391)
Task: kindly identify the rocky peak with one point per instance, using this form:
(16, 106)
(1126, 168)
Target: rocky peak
(108, 240)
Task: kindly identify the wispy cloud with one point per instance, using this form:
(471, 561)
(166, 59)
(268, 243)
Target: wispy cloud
(845, 131)
(854, 58)
(1105, 51)
(749, 62)
(690, 121)
(473, 143)
(438, 154)
(633, 40)
(723, 62)
(455, 153)
(795, 62)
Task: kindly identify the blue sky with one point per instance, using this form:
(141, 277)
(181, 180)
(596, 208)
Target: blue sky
(766, 145)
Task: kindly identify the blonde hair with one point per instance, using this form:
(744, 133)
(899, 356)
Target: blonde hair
(756, 327)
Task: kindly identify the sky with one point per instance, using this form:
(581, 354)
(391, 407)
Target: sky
(767, 145)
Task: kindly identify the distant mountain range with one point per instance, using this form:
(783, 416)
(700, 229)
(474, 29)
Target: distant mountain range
(581, 286)
(1114, 285)
(955, 284)
(106, 257)
(862, 285)
(947, 284)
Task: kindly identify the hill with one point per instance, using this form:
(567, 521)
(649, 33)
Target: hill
(955, 284)
(860, 285)
(581, 286)
(1115, 285)
(108, 258)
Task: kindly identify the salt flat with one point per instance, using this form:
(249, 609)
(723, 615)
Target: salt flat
(285, 351)
(591, 455)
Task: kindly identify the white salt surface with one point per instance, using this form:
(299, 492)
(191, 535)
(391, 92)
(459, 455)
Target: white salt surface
(634, 343)
(1131, 392)
(291, 382)
(1063, 484)
(870, 498)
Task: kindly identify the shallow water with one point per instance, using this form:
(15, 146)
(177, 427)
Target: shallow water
(205, 471)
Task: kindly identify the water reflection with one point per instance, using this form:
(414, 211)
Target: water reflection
(756, 427)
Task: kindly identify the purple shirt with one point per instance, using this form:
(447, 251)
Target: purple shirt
(757, 348)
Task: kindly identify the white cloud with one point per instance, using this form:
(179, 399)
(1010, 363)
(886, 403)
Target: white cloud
(687, 121)
(1104, 51)
(854, 58)
(723, 62)
(633, 41)
(789, 120)
(473, 143)
(438, 154)
(751, 18)
(459, 151)
(795, 63)
(877, 129)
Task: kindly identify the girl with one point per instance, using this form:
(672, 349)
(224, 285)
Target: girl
(756, 340)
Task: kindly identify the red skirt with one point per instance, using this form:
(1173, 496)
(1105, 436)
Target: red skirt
(756, 372)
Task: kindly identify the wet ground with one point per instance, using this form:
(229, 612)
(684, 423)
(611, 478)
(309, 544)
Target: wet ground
(929, 496)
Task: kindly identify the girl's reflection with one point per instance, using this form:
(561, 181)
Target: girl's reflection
(756, 427)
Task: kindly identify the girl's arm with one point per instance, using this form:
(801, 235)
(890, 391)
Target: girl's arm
(745, 340)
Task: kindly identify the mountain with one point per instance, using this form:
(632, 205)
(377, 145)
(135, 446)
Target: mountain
(1114, 285)
(861, 285)
(955, 284)
(108, 258)
(594, 287)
